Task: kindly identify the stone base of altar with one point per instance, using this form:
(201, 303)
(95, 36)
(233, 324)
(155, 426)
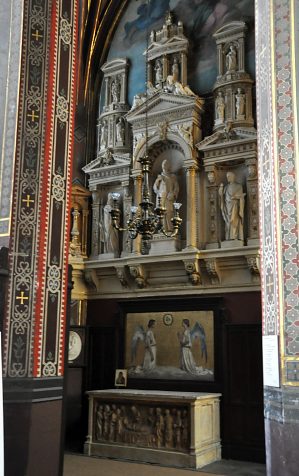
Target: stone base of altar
(175, 429)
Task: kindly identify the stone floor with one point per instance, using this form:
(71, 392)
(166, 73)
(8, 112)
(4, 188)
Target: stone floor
(79, 465)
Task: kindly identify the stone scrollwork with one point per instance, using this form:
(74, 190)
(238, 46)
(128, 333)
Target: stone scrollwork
(193, 271)
(137, 272)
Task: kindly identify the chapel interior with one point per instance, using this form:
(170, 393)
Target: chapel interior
(137, 268)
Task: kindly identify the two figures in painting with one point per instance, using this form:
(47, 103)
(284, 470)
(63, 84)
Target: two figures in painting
(186, 340)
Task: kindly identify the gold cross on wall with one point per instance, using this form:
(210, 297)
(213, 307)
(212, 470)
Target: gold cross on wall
(33, 116)
(27, 200)
(22, 298)
(37, 35)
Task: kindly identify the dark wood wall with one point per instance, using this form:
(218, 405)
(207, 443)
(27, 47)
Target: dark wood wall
(238, 367)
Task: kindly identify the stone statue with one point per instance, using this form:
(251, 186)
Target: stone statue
(175, 69)
(104, 134)
(232, 204)
(231, 59)
(99, 425)
(120, 130)
(220, 107)
(159, 73)
(240, 103)
(178, 428)
(115, 91)
(166, 188)
(109, 234)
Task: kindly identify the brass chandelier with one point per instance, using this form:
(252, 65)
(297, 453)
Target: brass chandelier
(146, 220)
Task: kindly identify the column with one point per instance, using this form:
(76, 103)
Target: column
(277, 119)
(213, 231)
(220, 60)
(137, 199)
(127, 203)
(107, 98)
(123, 91)
(85, 214)
(252, 202)
(95, 226)
(184, 79)
(36, 303)
(191, 219)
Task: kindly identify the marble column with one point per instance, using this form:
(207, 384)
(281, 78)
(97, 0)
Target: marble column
(95, 238)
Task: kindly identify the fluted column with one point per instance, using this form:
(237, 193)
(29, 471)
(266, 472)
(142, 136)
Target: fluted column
(85, 214)
(95, 224)
(191, 218)
(213, 223)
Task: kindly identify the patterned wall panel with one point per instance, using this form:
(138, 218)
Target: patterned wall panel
(278, 147)
(35, 320)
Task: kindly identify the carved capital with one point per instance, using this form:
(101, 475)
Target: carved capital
(122, 275)
(137, 272)
(213, 270)
(193, 271)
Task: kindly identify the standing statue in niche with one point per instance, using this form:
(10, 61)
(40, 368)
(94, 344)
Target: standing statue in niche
(159, 73)
(220, 107)
(232, 202)
(231, 59)
(175, 69)
(109, 234)
(120, 130)
(104, 134)
(166, 188)
(240, 103)
(115, 91)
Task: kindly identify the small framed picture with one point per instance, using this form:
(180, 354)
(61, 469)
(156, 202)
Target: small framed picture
(120, 378)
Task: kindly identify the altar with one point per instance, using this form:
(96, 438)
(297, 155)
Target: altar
(173, 428)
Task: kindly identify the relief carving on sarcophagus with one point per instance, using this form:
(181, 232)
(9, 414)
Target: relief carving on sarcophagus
(142, 425)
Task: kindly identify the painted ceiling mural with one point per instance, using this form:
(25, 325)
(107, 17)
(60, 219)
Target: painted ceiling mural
(201, 18)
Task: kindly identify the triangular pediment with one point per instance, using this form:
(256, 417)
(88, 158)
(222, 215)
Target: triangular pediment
(220, 138)
(170, 41)
(162, 102)
(99, 164)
